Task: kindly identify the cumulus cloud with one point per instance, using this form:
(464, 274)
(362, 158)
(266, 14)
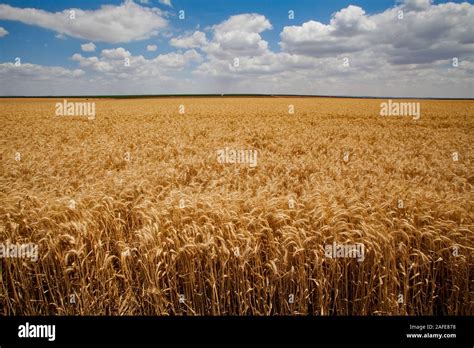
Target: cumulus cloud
(416, 51)
(32, 79)
(88, 47)
(244, 23)
(386, 56)
(116, 53)
(37, 72)
(120, 62)
(426, 34)
(195, 40)
(416, 5)
(316, 39)
(166, 2)
(239, 36)
(351, 21)
(342, 35)
(151, 48)
(3, 32)
(123, 23)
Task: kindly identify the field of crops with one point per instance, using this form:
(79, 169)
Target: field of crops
(135, 213)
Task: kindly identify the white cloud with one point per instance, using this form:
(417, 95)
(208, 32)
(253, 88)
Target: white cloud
(32, 79)
(112, 62)
(88, 47)
(3, 32)
(166, 2)
(351, 21)
(416, 52)
(429, 34)
(124, 23)
(239, 36)
(341, 35)
(176, 60)
(93, 63)
(388, 56)
(196, 40)
(37, 72)
(244, 23)
(316, 39)
(116, 53)
(151, 48)
(416, 5)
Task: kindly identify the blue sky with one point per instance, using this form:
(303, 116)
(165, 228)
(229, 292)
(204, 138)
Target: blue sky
(276, 54)
(40, 46)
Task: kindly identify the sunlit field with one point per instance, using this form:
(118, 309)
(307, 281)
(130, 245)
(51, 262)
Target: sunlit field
(143, 210)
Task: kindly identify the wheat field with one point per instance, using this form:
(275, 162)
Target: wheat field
(158, 226)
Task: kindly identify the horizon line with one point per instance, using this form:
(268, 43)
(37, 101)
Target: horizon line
(129, 96)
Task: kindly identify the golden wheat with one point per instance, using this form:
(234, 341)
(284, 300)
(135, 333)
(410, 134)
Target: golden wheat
(171, 231)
